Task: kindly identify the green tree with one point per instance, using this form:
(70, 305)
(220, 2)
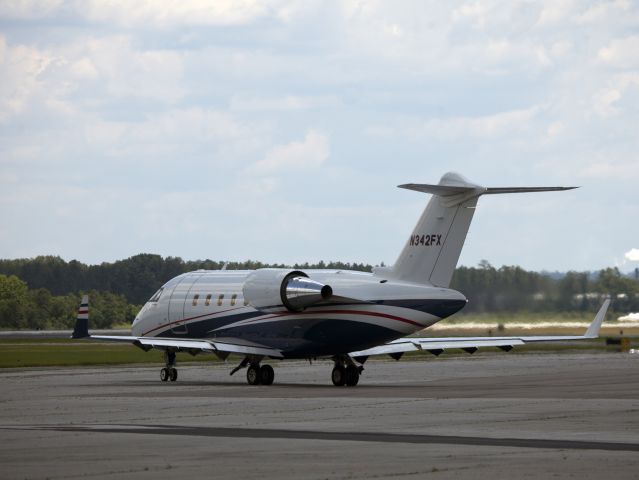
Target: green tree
(13, 302)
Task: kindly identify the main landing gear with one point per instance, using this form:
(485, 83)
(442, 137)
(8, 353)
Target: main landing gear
(256, 374)
(169, 372)
(345, 372)
(260, 375)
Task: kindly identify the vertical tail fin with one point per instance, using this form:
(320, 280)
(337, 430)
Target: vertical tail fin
(433, 249)
(81, 329)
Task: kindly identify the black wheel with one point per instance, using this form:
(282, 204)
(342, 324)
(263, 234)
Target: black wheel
(338, 375)
(352, 376)
(164, 374)
(267, 375)
(173, 374)
(253, 375)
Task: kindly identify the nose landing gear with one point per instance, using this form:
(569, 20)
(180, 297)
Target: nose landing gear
(169, 372)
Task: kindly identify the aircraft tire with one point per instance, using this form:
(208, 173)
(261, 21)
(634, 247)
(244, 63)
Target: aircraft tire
(173, 374)
(338, 376)
(267, 375)
(351, 376)
(164, 374)
(253, 375)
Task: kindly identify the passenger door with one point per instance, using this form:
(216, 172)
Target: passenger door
(176, 305)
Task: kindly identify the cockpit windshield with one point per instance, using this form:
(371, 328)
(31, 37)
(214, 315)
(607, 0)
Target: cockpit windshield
(156, 296)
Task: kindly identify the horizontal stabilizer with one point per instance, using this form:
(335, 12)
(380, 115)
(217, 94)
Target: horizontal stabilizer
(441, 190)
(525, 189)
(456, 194)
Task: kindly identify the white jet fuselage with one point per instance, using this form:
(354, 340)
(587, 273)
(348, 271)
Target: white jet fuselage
(345, 315)
(364, 310)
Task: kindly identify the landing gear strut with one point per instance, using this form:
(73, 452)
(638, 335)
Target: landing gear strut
(256, 374)
(169, 372)
(345, 372)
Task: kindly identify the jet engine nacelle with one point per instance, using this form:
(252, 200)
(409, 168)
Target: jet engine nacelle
(270, 288)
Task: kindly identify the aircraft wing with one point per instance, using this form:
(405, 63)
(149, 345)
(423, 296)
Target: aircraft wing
(436, 346)
(221, 347)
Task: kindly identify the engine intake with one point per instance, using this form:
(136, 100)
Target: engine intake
(270, 288)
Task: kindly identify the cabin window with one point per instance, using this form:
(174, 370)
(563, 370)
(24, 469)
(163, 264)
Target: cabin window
(207, 302)
(156, 296)
(219, 300)
(195, 298)
(233, 298)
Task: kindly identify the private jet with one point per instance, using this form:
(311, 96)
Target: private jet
(342, 315)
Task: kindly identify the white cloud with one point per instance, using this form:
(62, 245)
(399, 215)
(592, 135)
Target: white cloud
(21, 69)
(142, 13)
(603, 11)
(555, 11)
(607, 100)
(632, 255)
(244, 102)
(169, 133)
(311, 153)
(128, 71)
(475, 12)
(621, 53)
(29, 9)
(84, 68)
(486, 126)
(394, 30)
(490, 125)
(177, 12)
(99, 70)
(561, 48)
(611, 169)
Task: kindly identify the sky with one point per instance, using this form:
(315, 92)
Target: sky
(278, 130)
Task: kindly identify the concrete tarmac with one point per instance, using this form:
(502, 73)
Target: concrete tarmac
(490, 415)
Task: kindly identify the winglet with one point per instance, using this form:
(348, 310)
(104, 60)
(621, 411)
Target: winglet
(595, 326)
(81, 329)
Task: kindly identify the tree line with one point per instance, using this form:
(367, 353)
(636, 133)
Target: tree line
(37, 309)
(512, 289)
(137, 277)
(44, 292)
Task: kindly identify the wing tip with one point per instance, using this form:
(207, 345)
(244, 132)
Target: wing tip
(595, 326)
